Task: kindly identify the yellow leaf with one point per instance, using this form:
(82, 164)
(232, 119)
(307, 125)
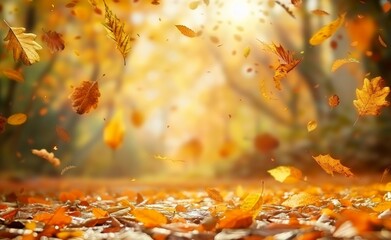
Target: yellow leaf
(13, 75)
(194, 5)
(339, 62)
(186, 31)
(85, 97)
(149, 217)
(214, 194)
(326, 31)
(252, 202)
(285, 174)
(116, 32)
(312, 125)
(22, 44)
(246, 52)
(372, 97)
(114, 131)
(333, 101)
(331, 165)
(17, 119)
(301, 199)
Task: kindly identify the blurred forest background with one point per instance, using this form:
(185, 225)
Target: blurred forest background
(195, 107)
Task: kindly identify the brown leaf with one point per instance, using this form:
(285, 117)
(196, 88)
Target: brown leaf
(236, 218)
(43, 153)
(149, 217)
(296, 3)
(319, 12)
(85, 97)
(372, 97)
(333, 101)
(186, 31)
(265, 143)
(286, 8)
(17, 119)
(331, 165)
(13, 75)
(54, 41)
(214, 194)
(327, 30)
(22, 44)
(63, 134)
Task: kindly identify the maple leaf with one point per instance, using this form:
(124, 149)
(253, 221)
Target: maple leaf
(113, 133)
(85, 97)
(289, 62)
(327, 30)
(117, 33)
(53, 40)
(22, 44)
(331, 165)
(43, 153)
(372, 97)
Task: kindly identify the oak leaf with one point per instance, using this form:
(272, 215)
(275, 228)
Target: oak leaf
(22, 44)
(17, 119)
(333, 101)
(331, 165)
(149, 217)
(13, 75)
(114, 131)
(327, 30)
(285, 174)
(116, 32)
(85, 97)
(186, 31)
(48, 156)
(288, 62)
(372, 97)
(53, 40)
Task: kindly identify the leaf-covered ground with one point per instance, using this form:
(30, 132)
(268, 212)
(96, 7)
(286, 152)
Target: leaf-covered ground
(75, 209)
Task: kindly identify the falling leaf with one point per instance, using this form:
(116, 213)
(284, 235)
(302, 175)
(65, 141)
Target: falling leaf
(327, 30)
(285, 174)
(301, 199)
(53, 40)
(265, 143)
(331, 165)
(48, 156)
(333, 101)
(63, 134)
(319, 12)
(339, 62)
(99, 212)
(372, 97)
(137, 118)
(17, 119)
(296, 3)
(3, 122)
(246, 52)
(193, 5)
(114, 131)
(252, 202)
(59, 217)
(312, 125)
(236, 218)
(22, 44)
(381, 41)
(214, 194)
(289, 62)
(286, 8)
(149, 217)
(14, 75)
(206, 2)
(227, 149)
(386, 6)
(186, 31)
(85, 97)
(117, 33)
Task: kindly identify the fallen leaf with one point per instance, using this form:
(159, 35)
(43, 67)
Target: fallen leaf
(114, 131)
(149, 217)
(252, 202)
(116, 32)
(327, 30)
(186, 31)
(43, 153)
(13, 75)
(17, 119)
(319, 12)
(53, 40)
(236, 218)
(372, 97)
(285, 174)
(214, 194)
(299, 200)
(59, 217)
(333, 101)
(99, 212)
(22, 44)
(289, 62)
(339, 62)
(331, 165)
(312, 125)
(85, 97)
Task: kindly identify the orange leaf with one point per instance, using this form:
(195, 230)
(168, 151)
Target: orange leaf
(186, 31)
(59, 217)
(339, 62)
(137, 118)
(236, 218)
(71, 196)
(85, 97)
(265, 143)
(319, 12)
(114, 131)
(331, 165)
(372, 97)
(327, 30)
(312, 125)
(99, 213)
(299, 200)
(285, 174)
(149, 217)
(214, 194)
(13, 75)
(333, 101)
(17, 119)
(53, 40)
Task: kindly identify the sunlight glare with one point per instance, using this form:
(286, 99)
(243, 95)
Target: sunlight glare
(237, 10)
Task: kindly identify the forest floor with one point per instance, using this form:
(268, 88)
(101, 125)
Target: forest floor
(332, 208)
